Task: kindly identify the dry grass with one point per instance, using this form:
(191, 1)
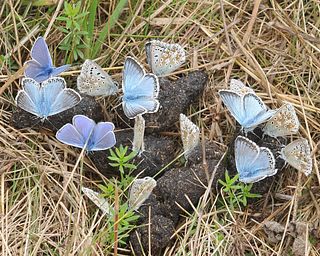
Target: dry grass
(272, 45)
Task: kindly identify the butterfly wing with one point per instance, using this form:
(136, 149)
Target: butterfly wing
(263, 166)
(138, 134)
(99, 201)
(239, 87)
(246, 152)
(164, 58)
(298, 155)
(140, 190)
(35, 71)
(56, 97)
(29, 98)
(140, 90)
(58, 70)
(190, 134)
(84, 125)
(233, 102)
(40, 53)
(94, 81)
(284, 122)
(253, 163)
(68, 134)
(255, 111)
(102, 136)
(40, 67)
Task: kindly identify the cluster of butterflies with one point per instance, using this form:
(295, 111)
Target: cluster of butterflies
(255, 163)
(44, 94)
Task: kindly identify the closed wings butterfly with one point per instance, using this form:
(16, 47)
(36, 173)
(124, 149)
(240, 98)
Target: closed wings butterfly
(140, 190)
(248, 109)
(47, 99)
(284, 122)
(94, 81)
(99, 201)
(190, 135)
(140, 90)
(253, 163)
(138, 134)
(85, 133)
(40, 68)
(164, 58)
(298, 155)
(239, 87)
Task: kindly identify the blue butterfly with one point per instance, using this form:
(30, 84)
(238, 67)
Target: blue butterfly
(47, 99)
(140, 90)
(253, 163)
(248, 109)
(85, 133)
(40, 68)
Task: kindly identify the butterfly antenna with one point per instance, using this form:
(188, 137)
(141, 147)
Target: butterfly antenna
(35, 118)
(47, 119)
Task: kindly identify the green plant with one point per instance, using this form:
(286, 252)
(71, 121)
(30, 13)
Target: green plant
(74, 31)
(237, 192)
(121, 160)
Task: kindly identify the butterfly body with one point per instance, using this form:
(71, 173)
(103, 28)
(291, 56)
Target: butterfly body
(85, 133)
(253, 163)
(40, 68)
(140, 90)
(47, 99)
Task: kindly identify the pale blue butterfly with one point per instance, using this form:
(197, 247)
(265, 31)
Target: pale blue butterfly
(140, 90)
(248, 109)
(164, 58)
(40, 68)
(253, 163)
(47, 99)
(85, 133)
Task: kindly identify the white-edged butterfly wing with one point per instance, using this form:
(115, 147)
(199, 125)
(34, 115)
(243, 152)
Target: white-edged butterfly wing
(190, 135)
(140, 190)
(94, 81)
(164, 58)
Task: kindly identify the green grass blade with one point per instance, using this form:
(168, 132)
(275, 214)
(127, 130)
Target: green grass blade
(108, 26)
(90, 26)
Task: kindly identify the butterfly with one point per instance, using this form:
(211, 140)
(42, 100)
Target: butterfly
(140, 90)
(40, 68)
(253, 163)
(164, 58)
(94, 81)
(96, 198)
(248, 109)
(283, 122)
(47, 99)
(239, 87)
(140, 190)
(85, 133)
(190, 134)
(138, 134)
(298, 155)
